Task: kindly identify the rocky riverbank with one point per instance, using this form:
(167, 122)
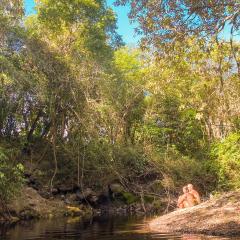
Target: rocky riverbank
(218, 216)
(31, 205)
(35, 202)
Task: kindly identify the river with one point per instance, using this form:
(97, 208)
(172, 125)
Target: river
(99, 228)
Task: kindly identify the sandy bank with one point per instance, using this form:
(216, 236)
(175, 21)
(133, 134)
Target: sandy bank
(219, 216)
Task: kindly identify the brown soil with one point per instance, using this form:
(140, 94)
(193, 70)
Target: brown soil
(219, 216)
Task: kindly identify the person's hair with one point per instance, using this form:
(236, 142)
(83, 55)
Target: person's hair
(185, 188)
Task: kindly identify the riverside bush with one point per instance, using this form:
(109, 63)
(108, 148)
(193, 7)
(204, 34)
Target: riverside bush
(11, 177)
(226, 155)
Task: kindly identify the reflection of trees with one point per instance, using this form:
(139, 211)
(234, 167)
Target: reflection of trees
(3, 230)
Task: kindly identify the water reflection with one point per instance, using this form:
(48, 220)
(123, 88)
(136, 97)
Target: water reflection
(102, 228)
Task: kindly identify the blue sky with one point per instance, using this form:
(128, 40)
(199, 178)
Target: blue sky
(125, 29)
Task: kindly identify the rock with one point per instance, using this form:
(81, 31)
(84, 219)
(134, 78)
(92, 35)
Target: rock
(27, 175)
(45, 194)
(30, 204)
(87, 196)
(14, 219)
(116, 192)
(217, 217)
(76, 188)
(67, 201)
(28, 214)
(72, 198)
(31, 181)
(103, 198)
(55, 191)
(74, 210)
(116, 188)
(65, 189)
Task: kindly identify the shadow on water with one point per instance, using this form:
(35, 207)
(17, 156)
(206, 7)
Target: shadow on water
(100, 228)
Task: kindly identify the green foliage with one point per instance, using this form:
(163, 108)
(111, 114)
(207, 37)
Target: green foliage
(178, 126)
(148, 198)
(226, 155)
(158, 206)
(130, 198)
(11, 177)
(129, 160)
(82, 109)
(178, 170)
(164, 22)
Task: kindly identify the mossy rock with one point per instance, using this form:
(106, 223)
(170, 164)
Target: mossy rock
(73, 211)
(116, 188)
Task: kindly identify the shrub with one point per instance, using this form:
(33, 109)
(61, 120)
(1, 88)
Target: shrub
(226, 155)
(178, 170)
(11, 177)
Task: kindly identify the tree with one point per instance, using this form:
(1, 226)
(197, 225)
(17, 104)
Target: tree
(202, 77)
(11, 176)
(11, 13)
(166, 21)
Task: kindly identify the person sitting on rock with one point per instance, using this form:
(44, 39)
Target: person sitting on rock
(195, 194)
(185, 200)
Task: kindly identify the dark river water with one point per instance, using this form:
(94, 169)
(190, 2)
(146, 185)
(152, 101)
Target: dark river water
(101, 228)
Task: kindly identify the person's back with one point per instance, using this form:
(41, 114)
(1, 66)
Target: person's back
(194, 193)
(183, 200)
(190, 199)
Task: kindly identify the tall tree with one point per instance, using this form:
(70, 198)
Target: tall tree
(164, 21)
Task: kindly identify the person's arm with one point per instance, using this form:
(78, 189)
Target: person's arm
(180, 200)
(197, 197)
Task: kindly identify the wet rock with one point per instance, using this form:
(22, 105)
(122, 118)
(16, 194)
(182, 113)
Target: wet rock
(103, 198)
(73, 211)
(87, 196)
(55, 191)
(76, 188)
(65, 189)
(28, 214)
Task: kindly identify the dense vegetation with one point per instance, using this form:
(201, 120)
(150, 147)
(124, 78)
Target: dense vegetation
(79, 107)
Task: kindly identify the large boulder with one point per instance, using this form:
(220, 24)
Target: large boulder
(116, 188)
(30, 204)
(65, 189)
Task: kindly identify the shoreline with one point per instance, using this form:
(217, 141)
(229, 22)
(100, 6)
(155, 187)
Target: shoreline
(218, 217)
